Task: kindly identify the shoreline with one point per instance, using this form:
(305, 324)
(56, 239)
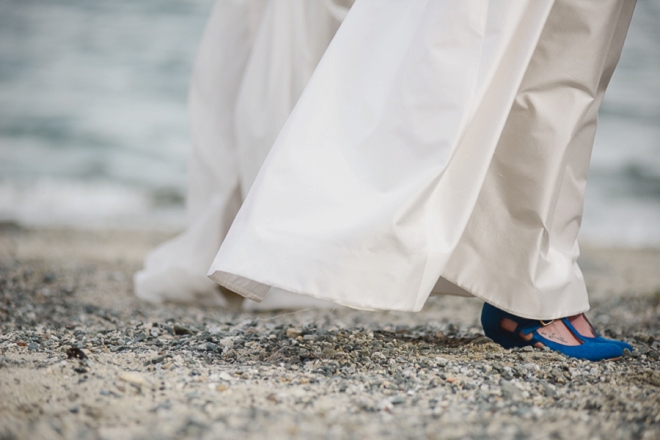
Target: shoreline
(173, 371)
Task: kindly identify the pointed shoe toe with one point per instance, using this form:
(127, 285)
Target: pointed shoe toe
(590, 351)
(598, 339)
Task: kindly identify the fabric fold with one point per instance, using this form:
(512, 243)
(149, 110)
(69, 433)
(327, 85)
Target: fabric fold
(254, 60)
(370, 184)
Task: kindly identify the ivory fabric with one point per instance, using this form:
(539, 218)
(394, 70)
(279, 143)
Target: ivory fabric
(438, 144)
(519, 250)
(254, 60)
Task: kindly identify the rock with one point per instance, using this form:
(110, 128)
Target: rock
(135, 379)
(226, 376)
(292, 332)
(226, 342)
(383, 405)
(228, 353)
(509, 391)
(156, 360)
(81, 369)
(181, 330)
(653, 378)
(548, 390)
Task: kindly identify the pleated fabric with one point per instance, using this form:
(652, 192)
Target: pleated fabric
(439, 145)
(519, 250)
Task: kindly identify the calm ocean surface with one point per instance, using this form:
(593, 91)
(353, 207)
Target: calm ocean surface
(94, 129)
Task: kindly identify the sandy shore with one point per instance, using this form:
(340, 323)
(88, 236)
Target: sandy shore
(81, 357)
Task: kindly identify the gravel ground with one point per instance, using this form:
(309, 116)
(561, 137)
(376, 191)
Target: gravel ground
(81, 357)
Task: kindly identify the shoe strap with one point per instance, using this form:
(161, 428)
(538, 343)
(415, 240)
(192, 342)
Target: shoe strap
(527, 326)
(591, 325)
(573, 330)
(566, 322)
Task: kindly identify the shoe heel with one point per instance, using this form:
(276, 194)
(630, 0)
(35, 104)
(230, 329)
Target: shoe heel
(490, 321)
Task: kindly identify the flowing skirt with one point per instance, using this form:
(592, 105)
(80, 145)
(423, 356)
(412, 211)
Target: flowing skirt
(439, 146)
(254, 60)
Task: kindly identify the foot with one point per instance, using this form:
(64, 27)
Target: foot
(559, 335)
(583, 329)
(582, 325)
(556, 331)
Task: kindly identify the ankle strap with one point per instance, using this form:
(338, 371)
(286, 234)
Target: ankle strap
(527, 326)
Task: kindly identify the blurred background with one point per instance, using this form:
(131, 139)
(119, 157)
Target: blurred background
(94, 128)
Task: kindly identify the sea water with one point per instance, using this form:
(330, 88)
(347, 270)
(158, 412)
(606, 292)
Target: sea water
(94, 128)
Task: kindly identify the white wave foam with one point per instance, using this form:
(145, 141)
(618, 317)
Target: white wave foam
(51, 203)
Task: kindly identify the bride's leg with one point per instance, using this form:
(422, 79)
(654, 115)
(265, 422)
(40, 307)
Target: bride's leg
(519, 251)
(550, 132)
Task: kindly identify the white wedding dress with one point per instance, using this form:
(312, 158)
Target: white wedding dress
(254, 60)
(440, 146)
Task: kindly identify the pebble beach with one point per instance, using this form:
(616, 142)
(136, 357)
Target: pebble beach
(81, 357)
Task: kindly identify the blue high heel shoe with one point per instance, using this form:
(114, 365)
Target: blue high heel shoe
(598, 338)
(492, 316)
